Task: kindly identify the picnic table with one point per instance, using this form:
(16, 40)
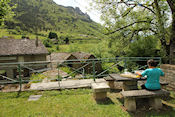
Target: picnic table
(130, 92)
(128, 83)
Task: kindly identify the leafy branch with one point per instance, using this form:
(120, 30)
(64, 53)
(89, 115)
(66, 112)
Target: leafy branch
(127, 26)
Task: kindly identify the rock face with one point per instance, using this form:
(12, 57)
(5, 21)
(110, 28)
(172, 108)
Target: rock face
(86, 16)
(46, 15)
(77, 9)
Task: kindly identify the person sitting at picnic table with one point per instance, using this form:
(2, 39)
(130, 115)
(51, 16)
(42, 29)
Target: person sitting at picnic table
(153, 75)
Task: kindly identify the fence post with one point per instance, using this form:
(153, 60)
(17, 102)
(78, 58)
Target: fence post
(124, 63)
(160, 60)
(83, 74)
(20, 80)
(59, 79)
(93, 65)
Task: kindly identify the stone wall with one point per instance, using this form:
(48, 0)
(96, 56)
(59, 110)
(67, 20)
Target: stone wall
(169, 71)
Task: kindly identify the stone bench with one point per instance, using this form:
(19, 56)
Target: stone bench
(153, 96)
(163, 84)
(100, 90)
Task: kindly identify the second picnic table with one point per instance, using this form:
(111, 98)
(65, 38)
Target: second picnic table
(128, 83)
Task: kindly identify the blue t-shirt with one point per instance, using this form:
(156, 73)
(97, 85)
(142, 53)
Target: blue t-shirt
(153, 76)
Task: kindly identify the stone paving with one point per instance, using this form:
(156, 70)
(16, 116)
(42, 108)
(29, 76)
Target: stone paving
(85, 83)
(34, 97)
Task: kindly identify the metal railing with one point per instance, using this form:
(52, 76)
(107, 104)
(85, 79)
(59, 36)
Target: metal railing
(24, 72)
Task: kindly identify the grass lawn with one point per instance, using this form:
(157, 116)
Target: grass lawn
(71, 103)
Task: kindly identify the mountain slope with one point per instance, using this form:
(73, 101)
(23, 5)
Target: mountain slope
(44, 15)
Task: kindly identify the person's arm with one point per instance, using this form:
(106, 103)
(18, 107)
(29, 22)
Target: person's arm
(161, 73)
(138, 73)
(144, 73)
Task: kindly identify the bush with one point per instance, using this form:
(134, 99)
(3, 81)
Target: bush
(53, 35)
(145, 47)
(47, 43)
(68, 71)
(35, 78)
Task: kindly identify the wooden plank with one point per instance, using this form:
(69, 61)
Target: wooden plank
(144, 93)
(7, 58)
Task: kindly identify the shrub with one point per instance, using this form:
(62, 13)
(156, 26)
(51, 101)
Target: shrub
(145, 47)
(47, 43)
(35, 78)
(68, 71)
(53, 35)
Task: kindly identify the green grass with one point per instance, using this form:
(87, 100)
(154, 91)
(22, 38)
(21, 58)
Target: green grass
(76, 47)
(35, 78)
(5, 32)
(68, 103)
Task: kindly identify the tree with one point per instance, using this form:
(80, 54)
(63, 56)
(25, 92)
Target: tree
(5, 10)
(151, 19)
(171, 3)
(53, 35)
(66, 40)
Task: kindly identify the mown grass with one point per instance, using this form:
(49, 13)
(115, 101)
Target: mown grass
(69, 103)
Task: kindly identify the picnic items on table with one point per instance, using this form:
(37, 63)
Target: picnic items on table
(129, 75)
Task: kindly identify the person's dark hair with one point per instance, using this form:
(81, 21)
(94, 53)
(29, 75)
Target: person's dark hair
(151, 62)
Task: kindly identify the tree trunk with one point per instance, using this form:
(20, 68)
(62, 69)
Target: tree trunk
(171, 3)
(161, 30)
(172, 41)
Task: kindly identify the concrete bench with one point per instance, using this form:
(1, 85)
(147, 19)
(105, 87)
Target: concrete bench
(100, 90)
(153, 96)
(163, 84)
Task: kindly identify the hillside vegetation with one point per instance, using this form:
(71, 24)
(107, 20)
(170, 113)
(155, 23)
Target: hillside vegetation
(46, 15)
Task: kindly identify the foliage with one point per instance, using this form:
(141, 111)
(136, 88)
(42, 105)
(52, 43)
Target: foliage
(48, 43)
(114, 69)
(35, 78)
(66, 40)
(68, 71)
(145, 47)
(2, 71)
(5, 10)
(53, 35)
(101, 50)
(126, 21)
(46, 15)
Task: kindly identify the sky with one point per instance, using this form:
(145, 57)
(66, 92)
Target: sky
(83, 5)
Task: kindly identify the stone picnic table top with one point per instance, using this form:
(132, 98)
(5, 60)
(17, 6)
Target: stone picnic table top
(117, 77)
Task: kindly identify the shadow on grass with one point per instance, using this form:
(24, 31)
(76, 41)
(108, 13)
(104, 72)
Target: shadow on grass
(120, 99)
(105, 101)
(144, 110)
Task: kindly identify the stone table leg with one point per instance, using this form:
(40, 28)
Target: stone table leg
(129, 85)
(100, 95)
(130, 104)
(111, 84)
(155, 102)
